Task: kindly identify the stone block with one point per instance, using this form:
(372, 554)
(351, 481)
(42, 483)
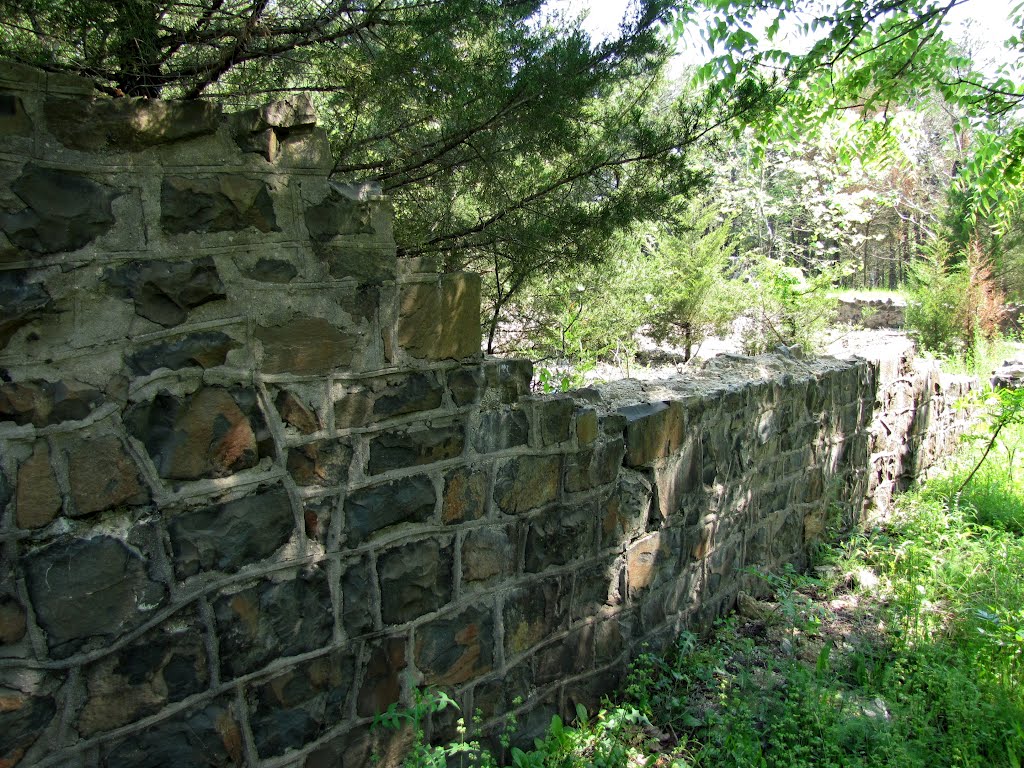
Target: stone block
(500, 430)
(38, 499)
(13, 621)
(206, 349)
(495, 697)
(165, 665)
(84, 589)
(324, 463)
(205, 434)
(488, 556)
(560, 535)
(416, 446)
(305, 346)
(609, 640)
(675, 478)
(45, 403)
(506, 381)
(465, 495)
(411, 393)
(592, 589)
(14, 121)
(570, 656)
(645, 562)
(534, 613)
(408, 500)
(653, 431)
(586, 426)
(367, 264)
(554, 417)
(454, 650)
(592, 468)
(415, 579)
(294, 708)
(382, 676)
(526, 482)
(226, 537)
(354, 409)
(23, 719)
(166, 291)
(63, 211)
(215, 204)
(23, 301)
(440, 320)
(264, 270)
(627, 510)
(273, 620)
(356, 590)
(128, 124)
(102, 475)
(465, 385)
(296, 413)
(339, 214)
(210, 736)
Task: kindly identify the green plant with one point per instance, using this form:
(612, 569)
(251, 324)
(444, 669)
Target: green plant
(788, 307)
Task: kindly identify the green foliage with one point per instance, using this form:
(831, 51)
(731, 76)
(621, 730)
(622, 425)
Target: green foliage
(788, 308)
(935, 300)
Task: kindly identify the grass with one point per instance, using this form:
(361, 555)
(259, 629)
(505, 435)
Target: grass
(904, 649)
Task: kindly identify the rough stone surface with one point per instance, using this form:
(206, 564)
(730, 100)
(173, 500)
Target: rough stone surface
(407, 500)
(23, 301)
(455, 650)
(415, 579)
(22, 720)
(408, 394)
(204, 350)
(89, 588)
(356, 614)
(526, 482)
(305, 345)
(488, 556)
(533, 614)
(102, 475)
(465, 495)
(165, 291)
(559, 536)
(13, 119)
(439, 320)
(323, 463)
(63, 211)
(501, 430)
(273, 620)
(38, 498)
(45, 403)
(381, 677)
(128, 124)
(416, 446)
(230, 535)
(296, 413)
(201, 435)
(12, 621)
(216, 204)
(339, 214)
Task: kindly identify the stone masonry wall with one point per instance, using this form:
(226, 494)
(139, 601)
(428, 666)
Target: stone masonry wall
(257, 481)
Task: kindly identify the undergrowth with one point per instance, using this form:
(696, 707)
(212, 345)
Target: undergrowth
(905, 649)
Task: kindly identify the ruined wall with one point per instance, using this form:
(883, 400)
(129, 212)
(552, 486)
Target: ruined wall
(871, 313)
(257, 481)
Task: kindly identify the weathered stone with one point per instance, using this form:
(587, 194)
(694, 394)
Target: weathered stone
(498, 696)
(526, 482)
(488, 555)
(589, 469)
(465, 495)
(13, 119)
(271, 271)
(305, 346)
(64, 211)
(44, 403)
(559, 536)
(415, 579)
(555, 419)
(500, 430)
(38, 498)
(22, 302)
(215, 204)
(102, 475)
(207, 349)
(408, 394)
(409, 500)
(339, 214)
(273, 620)
(12, 621)
(653, 431)
(506, 381)
(381, 678)
(295, 707)
(126, 123)
(534, 613)
(323, 463)
(228, 536)
(295, 413)
(89, 588)
(413, 447)
(626, 512)
(368, 264)
(595, 587)
(165, 291)
(567, 658)
(644, 560)
(356, 614)
(23, 717)
(164, 666)
(205, 434)
(454, 650)
(465, 385)
(586, 426)
(354, 409)
(440, 319)
(210, 737)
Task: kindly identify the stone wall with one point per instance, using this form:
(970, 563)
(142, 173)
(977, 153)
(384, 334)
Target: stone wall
(257, 481)
(871, 313)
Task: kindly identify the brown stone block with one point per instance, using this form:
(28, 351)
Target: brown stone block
(458, 649)
(439, 320)
(642, 562)
(465, 495)
(102, 475)
(12, 621)
(527, 482)
(305, 346)
(381, 678)
(653, 431)
(38, 497)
